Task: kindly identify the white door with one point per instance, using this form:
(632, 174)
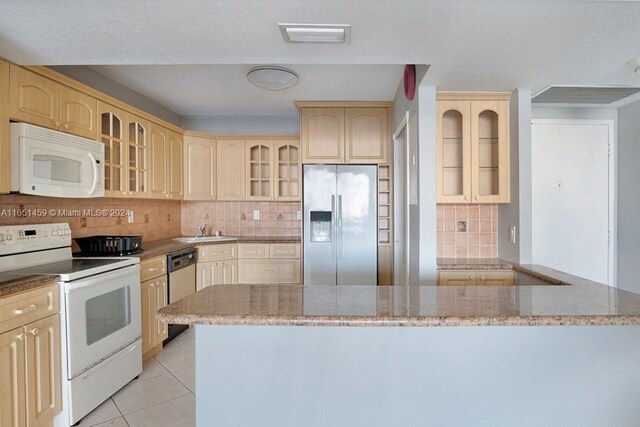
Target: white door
(572, 197)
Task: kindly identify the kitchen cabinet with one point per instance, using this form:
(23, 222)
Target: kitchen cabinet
(269, 263)
(137, 175)
(165, 156)
(199, 168)
(472, 148)
(4, 127)
(385, 225)
(30, 365)
(217, 265)
(112, 135)
(476, 278)
(356, 134)
(230, 170)
(153, 288)
(273, 170)
(41, 101)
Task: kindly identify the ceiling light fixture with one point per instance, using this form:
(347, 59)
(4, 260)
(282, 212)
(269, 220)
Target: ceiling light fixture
(272, 78)
(315, 33)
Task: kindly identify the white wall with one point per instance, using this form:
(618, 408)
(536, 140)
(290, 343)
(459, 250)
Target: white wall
(628, 181)
(99, 82)
(243, 125)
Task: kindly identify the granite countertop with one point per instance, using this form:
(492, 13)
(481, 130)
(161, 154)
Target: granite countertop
(473, 264)
(165, 246)
(11, 283)
(580, 302)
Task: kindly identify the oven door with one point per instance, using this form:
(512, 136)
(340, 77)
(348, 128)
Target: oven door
(60, 170)
(103, 315)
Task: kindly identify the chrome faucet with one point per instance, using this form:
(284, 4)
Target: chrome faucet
(203, 230)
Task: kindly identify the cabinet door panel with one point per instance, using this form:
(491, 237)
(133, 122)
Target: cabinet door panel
(148, 296)
(217, 252)
(137, 175)
(199, 168)
(4, 127)
(206, 274)
(158, 162)
(457, 278)
(112, 134)
(496, 278)
(367, 135)
(78, 113)
(288, 170)
(269, 271)
(259, 170)
(12, 378)
(33, 98)
(453, 156)
(161, 329)
(322, 135)
(230, 175)
(43, 370)
(228, 272)
(174, 165)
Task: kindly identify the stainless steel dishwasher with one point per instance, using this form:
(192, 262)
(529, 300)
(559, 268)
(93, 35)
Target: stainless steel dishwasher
(181, 267)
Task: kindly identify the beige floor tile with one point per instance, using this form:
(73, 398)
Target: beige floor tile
(151, 369)
(191, 331)
(179, 356)
(187, 376)
(179, 412)
(142, 394)
(105, 412)
(118, 422)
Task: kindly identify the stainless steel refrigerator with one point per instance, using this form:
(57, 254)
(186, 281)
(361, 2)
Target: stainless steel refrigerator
(340, 233)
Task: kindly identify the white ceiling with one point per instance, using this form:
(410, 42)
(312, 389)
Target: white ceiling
(470, 45)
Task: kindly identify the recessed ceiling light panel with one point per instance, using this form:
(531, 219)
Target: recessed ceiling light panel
(272, 78)
(315, 33)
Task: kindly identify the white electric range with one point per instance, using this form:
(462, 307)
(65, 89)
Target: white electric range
(101, 343)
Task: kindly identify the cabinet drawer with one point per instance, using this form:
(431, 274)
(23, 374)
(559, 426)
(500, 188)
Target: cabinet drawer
(269, 271)
(285, 250)
(20, 309)
(253, 250)
(496, 278)
(153, 267)
(457, 278)
(217, 252)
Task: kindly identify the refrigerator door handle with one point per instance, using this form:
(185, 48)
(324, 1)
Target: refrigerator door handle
(339, 226)
(333, 226)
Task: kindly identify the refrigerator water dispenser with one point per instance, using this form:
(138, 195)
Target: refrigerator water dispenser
(320, 226)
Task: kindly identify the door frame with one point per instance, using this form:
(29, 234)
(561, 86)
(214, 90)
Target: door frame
(612, 187)
(402, 127)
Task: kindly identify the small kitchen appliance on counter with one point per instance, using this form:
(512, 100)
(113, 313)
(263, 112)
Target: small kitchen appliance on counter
(109, 245)
(100, 313)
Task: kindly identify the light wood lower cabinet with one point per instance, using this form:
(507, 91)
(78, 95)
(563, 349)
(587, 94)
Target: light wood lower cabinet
(476, 278)
(216, 273)
(269, 263)
(153, 289)
(30, 382)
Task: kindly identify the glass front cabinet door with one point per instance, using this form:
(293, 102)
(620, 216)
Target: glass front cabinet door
(112, 135)
(473, 148)
(137, 165)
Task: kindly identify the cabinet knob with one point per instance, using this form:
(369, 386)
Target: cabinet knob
(57, 124)
(470, 277)
(20, 337)
(466, 197)
(476, 197)
(482, 277)
(34, 331)
(66, 126)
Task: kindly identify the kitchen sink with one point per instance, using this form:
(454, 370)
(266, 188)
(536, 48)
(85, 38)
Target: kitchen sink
(203, 239)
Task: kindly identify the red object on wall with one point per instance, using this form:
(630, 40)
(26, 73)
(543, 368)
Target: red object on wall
(409, 81)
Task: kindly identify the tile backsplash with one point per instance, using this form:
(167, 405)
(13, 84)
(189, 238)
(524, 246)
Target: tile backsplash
(467, 231)
(236, 218)
(153, 219)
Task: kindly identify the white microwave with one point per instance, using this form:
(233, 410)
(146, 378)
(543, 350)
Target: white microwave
(46, 162)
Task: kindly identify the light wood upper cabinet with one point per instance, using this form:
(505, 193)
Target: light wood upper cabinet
(38, 100)
(13, 384)
(473, 148)
(4, 127)
(112, 135)
(353, 134)
(199, 168)
(288, 170)
(78, 113)
(158, 149)
(367, 135)
(322, 135)
(230, 170)
(137, 175)
(259, 170)
(174, 165)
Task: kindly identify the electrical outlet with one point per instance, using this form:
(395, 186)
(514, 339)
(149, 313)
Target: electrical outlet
(298, 215)
(130, 217)
(256, 215)
(512, 234)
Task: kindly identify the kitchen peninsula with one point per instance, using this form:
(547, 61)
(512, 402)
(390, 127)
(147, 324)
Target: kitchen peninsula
(287, 355)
